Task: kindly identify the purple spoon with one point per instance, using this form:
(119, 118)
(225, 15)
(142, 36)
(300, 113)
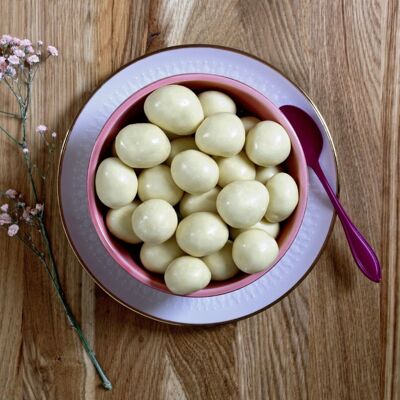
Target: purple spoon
(311, 140)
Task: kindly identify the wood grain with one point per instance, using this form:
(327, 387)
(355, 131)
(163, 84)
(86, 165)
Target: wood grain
(337, 336)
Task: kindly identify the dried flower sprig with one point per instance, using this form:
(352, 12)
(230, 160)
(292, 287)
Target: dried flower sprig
(19, 62)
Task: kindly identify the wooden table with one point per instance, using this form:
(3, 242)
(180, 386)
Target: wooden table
(337, 336)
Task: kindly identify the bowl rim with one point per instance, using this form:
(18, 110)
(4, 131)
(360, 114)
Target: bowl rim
(95, 216)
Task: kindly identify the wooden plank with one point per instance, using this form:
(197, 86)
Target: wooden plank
(345, 308)
(390, 126)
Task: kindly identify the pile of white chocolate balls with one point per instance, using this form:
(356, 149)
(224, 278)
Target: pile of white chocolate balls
(210, 191)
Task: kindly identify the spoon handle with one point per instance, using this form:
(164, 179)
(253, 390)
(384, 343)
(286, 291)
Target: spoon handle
(363, 253)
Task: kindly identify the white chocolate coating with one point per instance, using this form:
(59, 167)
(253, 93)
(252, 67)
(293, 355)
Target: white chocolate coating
(116, 183)
(221, 264)
(249, 122)
(119, 223)
(214, 102)
(254, 251)
(272, 228)
(192, 203)
(194, 172)
(201, 234)
(267, 144)
(179, 145)
(175, 109)
(186, 275)
(284, 196)
(142, 145)
(242, 204)
(157, 183)
(157, 257)
(264, 174)
(236, 168)
(221, 135)
(154, 221)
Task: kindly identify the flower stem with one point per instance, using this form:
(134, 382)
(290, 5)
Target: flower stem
(19, 99)
(9, 136)
(70, 316)
(31, 179)
(31, 246)
(44, 234)
(9, 114)
(52, 270)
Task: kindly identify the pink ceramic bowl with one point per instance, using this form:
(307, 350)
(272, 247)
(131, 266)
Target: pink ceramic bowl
(130, 111)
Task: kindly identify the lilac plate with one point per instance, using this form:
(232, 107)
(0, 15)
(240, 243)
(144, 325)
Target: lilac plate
(108, 274)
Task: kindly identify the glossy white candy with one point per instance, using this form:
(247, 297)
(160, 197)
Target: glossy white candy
(174, 108)
(242, 204)
(116, 184)
(157, 183)
(186, 275)
(119, 223)
(249, 122)
(157, 257)
(236, 168)
(254, 251)
(267, 144)
(192, 203)
(201, 233)
(179, 145)
(142, 145)
(284, 196)
(221, 135)
(194, 172)
(214, 102)
(221, 264)
(264, 174)
(268, 227)
(154, 221)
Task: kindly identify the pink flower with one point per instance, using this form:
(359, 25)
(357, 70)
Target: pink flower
(4, 207)
(18, 52)
(5, 219)
(41, 129)
(39, 43)
(39, 207)
(15, 41)
(13, 60)
(13, 230)
(25, 42)
(30, 49)
(3, 64)
(5, 39)
(33, 59)
(54, 135)
(10, 71)
(1, 76)
(52, 51)
(26, 214)
(33, 211)
(11, 193)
